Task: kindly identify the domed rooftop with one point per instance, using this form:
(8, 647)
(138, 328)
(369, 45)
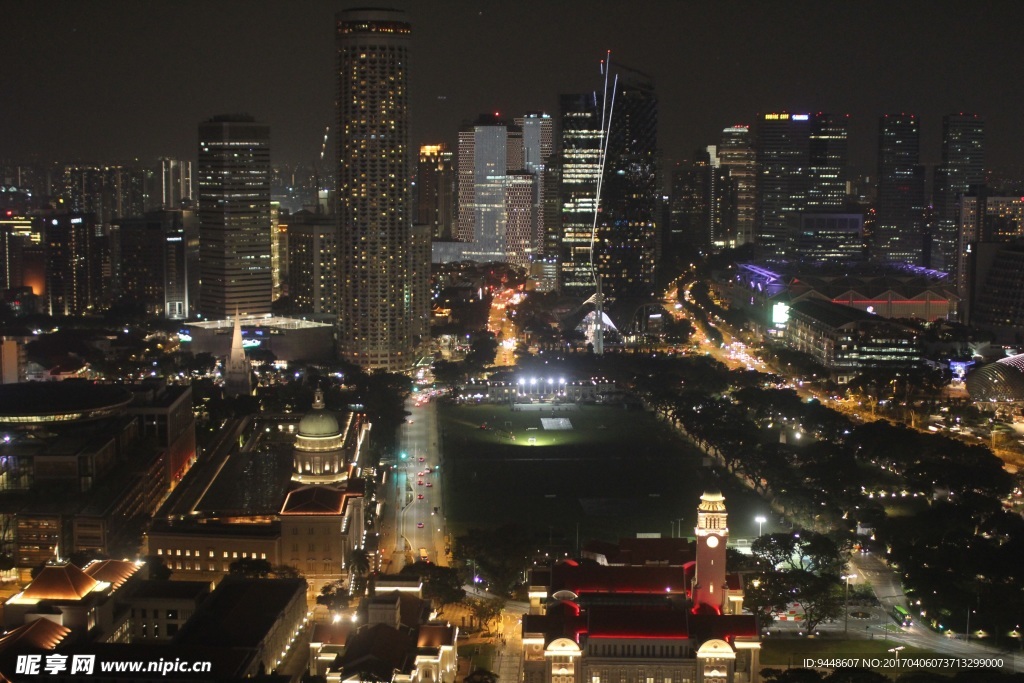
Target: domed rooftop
(999, 381)
(72, 400)
(319, 423)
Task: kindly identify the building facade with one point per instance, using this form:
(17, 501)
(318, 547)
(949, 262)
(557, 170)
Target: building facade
(737, 155)
(962, 168)
(374, 208)
(435, 190)
(234, 217)
(665, 622)
(899, 218)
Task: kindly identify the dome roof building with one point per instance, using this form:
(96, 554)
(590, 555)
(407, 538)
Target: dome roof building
(999, 381)
(318, 454)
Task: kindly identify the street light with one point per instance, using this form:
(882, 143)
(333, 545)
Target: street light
(967, 638)
(760, 524)
(846, 600)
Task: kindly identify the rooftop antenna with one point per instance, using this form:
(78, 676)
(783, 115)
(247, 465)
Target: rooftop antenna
(607, 109)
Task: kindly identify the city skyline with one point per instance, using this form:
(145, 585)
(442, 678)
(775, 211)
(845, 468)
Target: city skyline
(710, 65)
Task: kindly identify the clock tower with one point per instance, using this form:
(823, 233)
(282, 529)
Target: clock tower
(709, 587)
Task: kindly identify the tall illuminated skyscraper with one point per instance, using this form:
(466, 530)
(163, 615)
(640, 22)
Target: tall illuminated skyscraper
(625, 244)
(580, 164)
(736, 154)
(963, 166)
(374, 213)
(898, 232)
(538, 145)
(435, 182)
(234, 217)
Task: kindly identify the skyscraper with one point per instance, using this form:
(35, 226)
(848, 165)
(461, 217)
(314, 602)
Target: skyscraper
(234, 217)
(736, 154)
(627, 226)
(783, 157)
(827, 167)
(898, 230)
(435, 182)
(580, 164)
(488, 149)
(374, 211)
(538, 146)
(313, 262)
(175, 184)
(74, 281)
(963, 166)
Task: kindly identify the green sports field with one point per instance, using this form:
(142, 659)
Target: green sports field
(617, 472)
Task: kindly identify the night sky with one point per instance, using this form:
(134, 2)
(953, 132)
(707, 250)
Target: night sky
(108, 80)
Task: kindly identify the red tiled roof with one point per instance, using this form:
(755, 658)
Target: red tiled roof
(41, 634)
(60, 582)
(631, 622)
(114, 572)
(594, 578)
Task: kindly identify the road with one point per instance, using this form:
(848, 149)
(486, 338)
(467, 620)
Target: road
(889, 591)
(414, 493)
(503, 328)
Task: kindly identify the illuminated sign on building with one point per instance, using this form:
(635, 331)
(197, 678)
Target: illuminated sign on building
(780, 314)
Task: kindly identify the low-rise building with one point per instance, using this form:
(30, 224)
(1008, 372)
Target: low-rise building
(847, 340)
(626, 623)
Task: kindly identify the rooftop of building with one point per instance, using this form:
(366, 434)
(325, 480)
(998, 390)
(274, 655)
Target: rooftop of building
(583, 577)
(278, 322)
(832, 314)
(314, 500)
(46, 402)
(153, 589)
(378, 650)
(642, 551)
(41, 634)
(240, 612)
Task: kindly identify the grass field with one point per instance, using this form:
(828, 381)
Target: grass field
(616, 473)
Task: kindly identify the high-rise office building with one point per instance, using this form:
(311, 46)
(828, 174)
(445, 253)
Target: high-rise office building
(701, 205)
(580, 165)
(489, 148)
(827, 167)
(106, 191)
(374, 212)
(312, 257)
(625, 241)
(538, 146)
(783, 158)
(802, 166)
(74, 274)
(898, 233)
(986, 223)
(963, 167)
(689, 198)
(736, 154)
(627, 224)
(175, 184)
(435, 184)
(234, 217)
(159, 255)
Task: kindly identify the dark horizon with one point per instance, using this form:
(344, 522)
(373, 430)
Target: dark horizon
(114, 80)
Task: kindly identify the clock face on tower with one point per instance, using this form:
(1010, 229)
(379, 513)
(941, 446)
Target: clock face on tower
(712, 541)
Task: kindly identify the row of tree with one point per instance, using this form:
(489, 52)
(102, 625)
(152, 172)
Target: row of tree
(835, 477)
